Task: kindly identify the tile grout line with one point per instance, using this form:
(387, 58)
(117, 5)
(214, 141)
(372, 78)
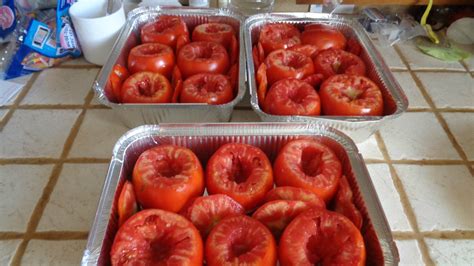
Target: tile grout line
(466, 67)
(18, 99)
(48, 189)
(408, 209)
(438, 115)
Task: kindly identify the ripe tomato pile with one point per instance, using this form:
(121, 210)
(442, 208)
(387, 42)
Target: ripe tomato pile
(169, 66)
(314, 72)
(309, 218)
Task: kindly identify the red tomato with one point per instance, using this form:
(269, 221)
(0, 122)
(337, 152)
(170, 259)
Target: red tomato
(207, 211)
(203, 57)
(287, 64)
(317, 26)
(214, 32)
(207, 88)
(181, 41)
(307, 49)
(153, 57)
(354, 47)
(292, 97)
(308, 164)
(127, 203)
(278, 36)
(240, 240)
(262, 83)
(157, 237)
(324, 38)
(350, 95)
(321, 237)
(240, 171)
(165, 30)
(234, 50)
(234, 78)
(118, 75)
(166, 177)
(277, 214)
(176, 83)
(314, 80)
(344, 204)
(146, 87)
(295, 193)
(256, 61)
(336, 61)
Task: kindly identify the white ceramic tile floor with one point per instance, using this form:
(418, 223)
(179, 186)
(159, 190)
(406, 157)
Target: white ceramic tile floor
(417, 60)
(98, 134)
(3, 112)
(388, 196)
(36, 133)
(441, 196)
(451, 252)
(75, 197)
(7, 250)
(409, 251)
(27, 181)
(455, 90)
(462, 127)
(20, 80)
(370, 149)
(50, 252)
(61, 86)
(413, 93)
(390, 56)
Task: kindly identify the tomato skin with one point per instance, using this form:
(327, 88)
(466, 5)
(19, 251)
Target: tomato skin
(166, 177)
(308, 164)
(292, 97)
(262, 84)
(234, 78)
(118, 75)
(220, 33)
(207, 88)
(321, 237)
(344, 204)
(335, 61)
(278, 36)
(283, 64)
(165, 30)
(240, 171)
(295, 194)
(203, 57)
(157, 237)
(324, 38)
(146, 87)
(277, 214)
(351, 95)
(354, 47)
(205, 212)
(153, 57)
(307, 49)
(127, 203)
(240, 240)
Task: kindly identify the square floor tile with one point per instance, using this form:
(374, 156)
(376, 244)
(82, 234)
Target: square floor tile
(417, 136)
(61, 86)
(74, 200)
(98, 134)
(370, 149)
(413, 93)
(3, 112)
(451, 252)
(389, 197)
(20, 80)
(7, 250)
(418, 60)
(81, 61)
(462, 127)
(390, 56)
(470, 63)
(455, 90)
(51, 252)
(21, 186)
(36, 133)
(289, 6)
(409, 252)
(441, 195)
(244, 116)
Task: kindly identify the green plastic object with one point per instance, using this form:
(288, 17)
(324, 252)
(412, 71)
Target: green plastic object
(445, 52)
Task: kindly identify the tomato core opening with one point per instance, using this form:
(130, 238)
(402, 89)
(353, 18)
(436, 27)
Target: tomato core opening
(239, 248)
(215, 28)
(152, 50)
(204, 52)
(294, 61)
(239, 172)
(163, 25)
(169, 169)
(311, 160)
(160, 249)
(297, 96)
(145, 87)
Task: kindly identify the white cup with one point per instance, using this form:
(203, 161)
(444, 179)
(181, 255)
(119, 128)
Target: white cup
(96, 31)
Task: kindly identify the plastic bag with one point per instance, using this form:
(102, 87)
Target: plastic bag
(8, 20)
(390, 33)
(42, 39)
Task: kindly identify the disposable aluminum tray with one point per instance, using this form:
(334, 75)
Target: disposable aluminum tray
(139, 114)
(359, 128)
(204, 140)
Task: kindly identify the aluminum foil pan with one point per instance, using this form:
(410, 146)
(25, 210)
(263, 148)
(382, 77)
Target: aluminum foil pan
(139, 114)
(204, 140)
(359, 128)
